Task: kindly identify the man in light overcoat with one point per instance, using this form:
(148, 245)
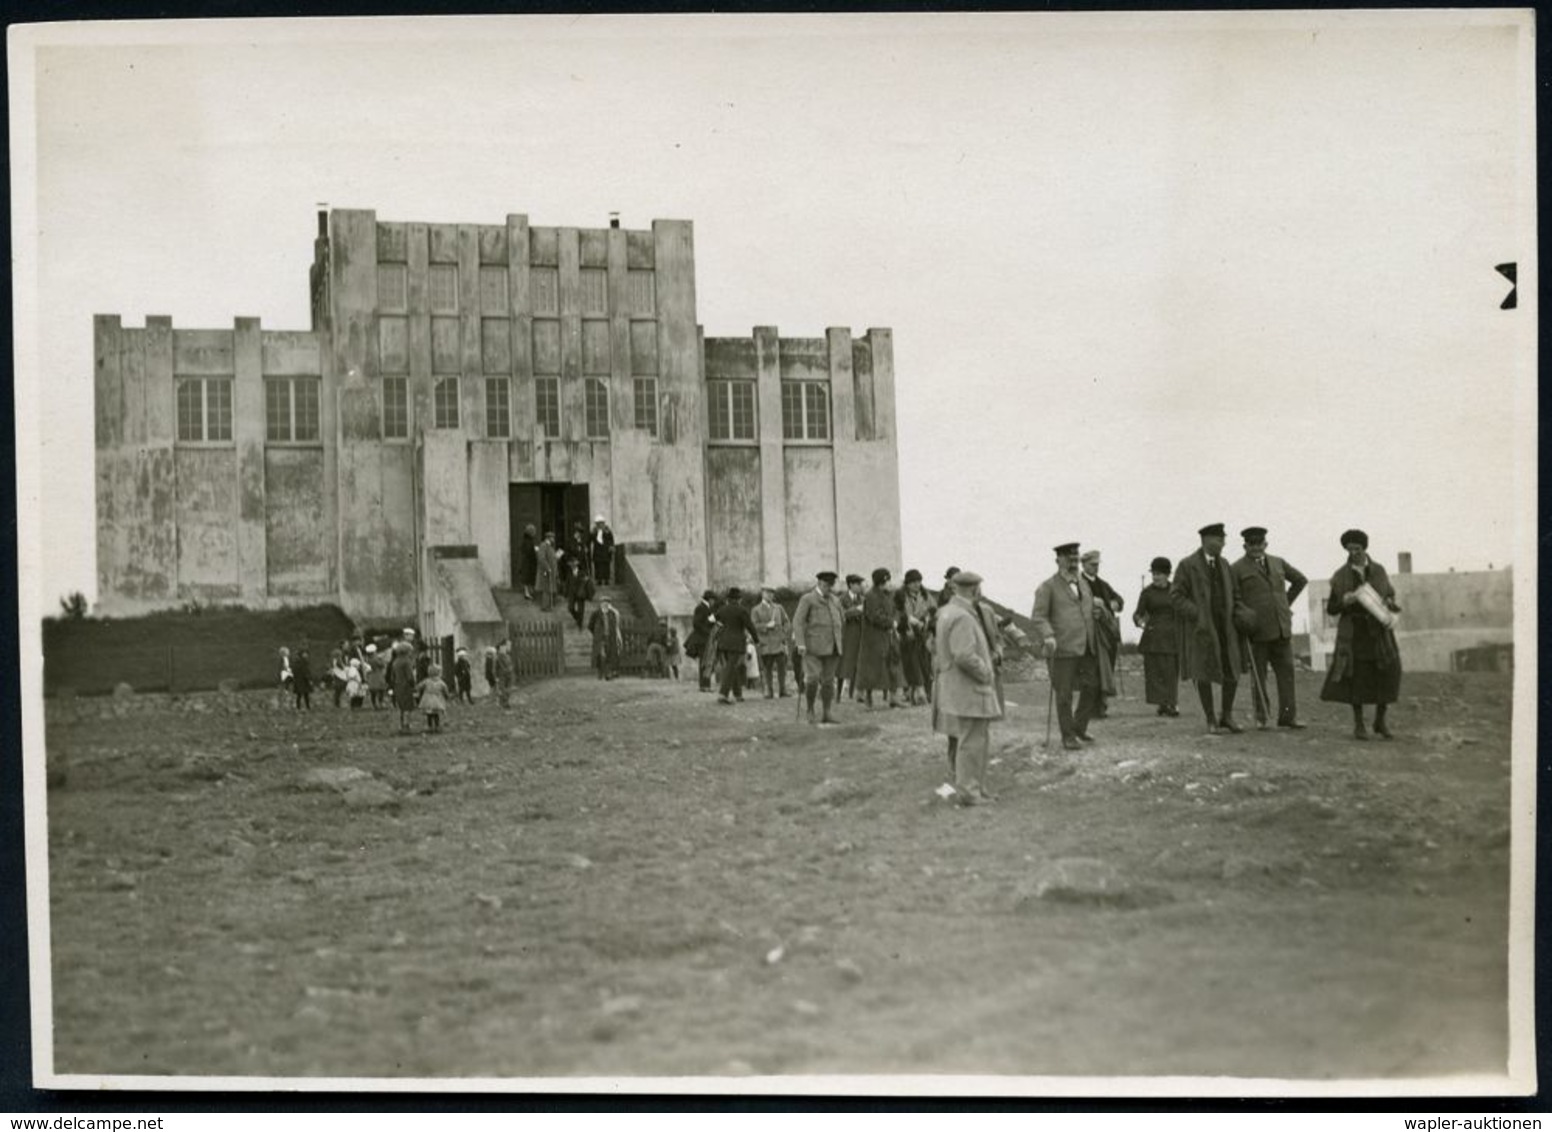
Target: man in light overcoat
(816, 632)
(1204, 594)
(964, 689)
(1064, 621)
(771, 626)
(1268, 587)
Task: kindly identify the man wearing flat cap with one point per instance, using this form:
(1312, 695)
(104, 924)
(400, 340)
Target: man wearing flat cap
(1107, 628)
(1204, 594)
(1268, 587)
(817, 626)
(964, 693)
(1064, 623)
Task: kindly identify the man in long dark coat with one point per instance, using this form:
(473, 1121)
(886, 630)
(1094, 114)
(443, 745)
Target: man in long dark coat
(695, 645)
(1268, 587)
(1204, 594)
(1107, 629)
(735, 632)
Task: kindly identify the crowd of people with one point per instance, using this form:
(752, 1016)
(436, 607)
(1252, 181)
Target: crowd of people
(1204, 621)
(546, 568)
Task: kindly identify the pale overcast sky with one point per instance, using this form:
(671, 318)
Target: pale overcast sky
(1143, 273)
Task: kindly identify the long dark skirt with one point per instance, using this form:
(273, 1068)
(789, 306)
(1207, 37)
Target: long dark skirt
(1161, 678)
(1364, 682)
(916, 660)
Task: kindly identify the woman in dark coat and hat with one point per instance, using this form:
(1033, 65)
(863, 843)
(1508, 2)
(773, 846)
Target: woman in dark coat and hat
(1160, 644)
(916, 608)
(1366, 665)
(878, 656)
(528, 561)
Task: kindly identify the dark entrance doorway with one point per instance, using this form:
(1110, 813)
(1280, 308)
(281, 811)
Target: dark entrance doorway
(548, 507)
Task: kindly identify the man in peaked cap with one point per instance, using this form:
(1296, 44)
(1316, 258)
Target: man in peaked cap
(1268, 587)
(1204, 594)
(816, 633)
(1064, 622)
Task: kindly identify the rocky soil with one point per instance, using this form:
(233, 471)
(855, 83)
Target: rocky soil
(625, 878)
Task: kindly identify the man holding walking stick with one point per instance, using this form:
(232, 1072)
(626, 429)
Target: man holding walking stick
(1064, 621)
(1268, 587)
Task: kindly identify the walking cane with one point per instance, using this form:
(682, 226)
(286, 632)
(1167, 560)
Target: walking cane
(1256, 682)
(1050, 702)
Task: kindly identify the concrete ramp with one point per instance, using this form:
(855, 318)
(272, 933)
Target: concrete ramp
(653, 578)
(466, 590)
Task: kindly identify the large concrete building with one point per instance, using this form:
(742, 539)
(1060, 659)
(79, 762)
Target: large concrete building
(458, 382)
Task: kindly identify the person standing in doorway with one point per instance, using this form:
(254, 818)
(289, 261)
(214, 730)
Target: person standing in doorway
(528, 561)
(549, 571)
(602, 552)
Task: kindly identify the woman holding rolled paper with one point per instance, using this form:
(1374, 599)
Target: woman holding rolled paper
(1366, 665)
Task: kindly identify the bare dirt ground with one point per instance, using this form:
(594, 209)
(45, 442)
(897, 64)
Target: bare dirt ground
(625, 878)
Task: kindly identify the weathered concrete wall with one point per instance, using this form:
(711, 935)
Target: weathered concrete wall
(867, 473)
(734, 516)
(679, 474)
(444, 488)
(1440, 614)
(351, 410)
(206, 516)
(298, 537)
(137, 546)
(489, 513)
(810, 516)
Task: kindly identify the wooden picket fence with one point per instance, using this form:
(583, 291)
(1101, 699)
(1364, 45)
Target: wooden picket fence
(538, 648)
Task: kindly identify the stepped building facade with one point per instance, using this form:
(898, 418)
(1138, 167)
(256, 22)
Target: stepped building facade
(459, 382)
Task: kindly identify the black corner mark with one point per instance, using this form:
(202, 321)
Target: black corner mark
(1508, 271)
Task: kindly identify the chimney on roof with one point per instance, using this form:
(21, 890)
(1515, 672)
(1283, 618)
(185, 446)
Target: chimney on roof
(614, 220)
(1404, 562)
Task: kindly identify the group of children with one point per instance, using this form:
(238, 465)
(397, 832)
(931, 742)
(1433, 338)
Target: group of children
(359, 672)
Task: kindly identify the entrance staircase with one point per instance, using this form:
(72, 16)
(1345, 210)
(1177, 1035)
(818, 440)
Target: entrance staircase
(516, 610)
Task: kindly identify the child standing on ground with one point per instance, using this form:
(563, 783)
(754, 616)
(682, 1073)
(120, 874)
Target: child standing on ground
(433, 697)
(302, 681)
(675, 652)
(376, 676)
(401, 679)
(355, 685)
(463, 677)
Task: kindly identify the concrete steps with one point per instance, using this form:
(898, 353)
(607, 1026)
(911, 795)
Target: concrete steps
(577, 643)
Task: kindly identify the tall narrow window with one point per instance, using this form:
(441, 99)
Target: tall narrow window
(444, 403)
(396, 408)
(291, 408)
(644, 396)
(595, 405)
(547, 405)
(498, 407)
(805, 410)
(731, 410)
(204, 408)
(442, 285)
